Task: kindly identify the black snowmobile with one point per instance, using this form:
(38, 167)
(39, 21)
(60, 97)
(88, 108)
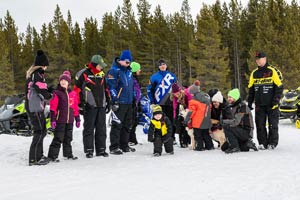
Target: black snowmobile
(14, 119)
(290, 106)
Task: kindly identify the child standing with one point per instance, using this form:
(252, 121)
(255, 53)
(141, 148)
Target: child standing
(136, 71)
(160, 132)
(64, 108)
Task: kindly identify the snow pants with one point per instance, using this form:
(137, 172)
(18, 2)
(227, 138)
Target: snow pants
(237, 137)
(158, 143)
(202, 138)
(63, 135)
(38, 122)
(94, 129)
(262, 113)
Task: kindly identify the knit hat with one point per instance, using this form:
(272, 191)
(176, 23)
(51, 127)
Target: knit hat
(126, 55)
(135, 66)
(156, 109)
(260, 54)
(65, 76)
(97, 59)
(218, 97)
(175, 88)
(234, 93)
(41, 59)
(193, 89)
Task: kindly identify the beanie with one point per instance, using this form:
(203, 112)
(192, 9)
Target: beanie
(65, 76)
(234, 93)
(175, 88)
(126, 55)
(156, 109)
(97, 59)
(218, 97)
(193, 89)
(135, 66)
(41, 59)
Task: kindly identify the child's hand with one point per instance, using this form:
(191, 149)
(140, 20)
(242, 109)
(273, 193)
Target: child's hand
(53, 124)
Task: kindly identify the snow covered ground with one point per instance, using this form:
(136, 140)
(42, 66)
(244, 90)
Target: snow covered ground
(186, 175)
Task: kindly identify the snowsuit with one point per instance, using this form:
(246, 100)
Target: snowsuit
(120, 83)
(239, 127)
(91, 87)
(199, 114)
(35, 100)
(135, 107)
(160, 133)
(159, 92)
(64, 108)
(183, 100)
(265, 89)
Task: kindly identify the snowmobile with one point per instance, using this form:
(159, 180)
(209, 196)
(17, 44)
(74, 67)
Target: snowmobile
(290, 106)
(14, 119)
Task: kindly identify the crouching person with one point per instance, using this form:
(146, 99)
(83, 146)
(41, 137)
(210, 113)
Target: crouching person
(239, 127)
(160, 132)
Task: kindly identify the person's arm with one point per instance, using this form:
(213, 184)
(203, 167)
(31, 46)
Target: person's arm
(40, 86)
(278, 89)
(112, 83)
(151, 132)
(251, 91)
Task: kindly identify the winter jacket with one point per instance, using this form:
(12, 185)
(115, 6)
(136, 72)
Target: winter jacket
(160, 129)
(36, 91)
(91, 87)
(137, 90)
(241, 116)
(199, 107)
(120, 83)
(160, 87)
(176, 102)
(265, 86)
(64, 105)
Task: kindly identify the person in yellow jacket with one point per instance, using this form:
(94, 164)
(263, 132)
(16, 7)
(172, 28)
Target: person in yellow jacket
(160, 132)
(265, 90)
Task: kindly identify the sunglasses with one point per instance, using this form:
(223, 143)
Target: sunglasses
(127, 61)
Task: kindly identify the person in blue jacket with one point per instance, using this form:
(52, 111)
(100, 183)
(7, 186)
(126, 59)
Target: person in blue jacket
(120, 84)
(159, 90)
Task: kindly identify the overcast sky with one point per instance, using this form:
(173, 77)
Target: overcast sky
(37, 12)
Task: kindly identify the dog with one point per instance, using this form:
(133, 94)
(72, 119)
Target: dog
(183, 112)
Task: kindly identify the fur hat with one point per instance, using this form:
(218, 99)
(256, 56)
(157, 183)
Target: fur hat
(41, 59)
(156, 109)
(126, 55)
(175, 88)
(234, 93)
(193, 89)
(135, 67)
(218, 97)
(65, 76)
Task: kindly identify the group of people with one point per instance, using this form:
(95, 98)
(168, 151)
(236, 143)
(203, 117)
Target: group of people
(208, 115)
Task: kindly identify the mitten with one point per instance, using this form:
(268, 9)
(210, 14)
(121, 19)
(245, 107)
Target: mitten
(53, 124)
(77, 119)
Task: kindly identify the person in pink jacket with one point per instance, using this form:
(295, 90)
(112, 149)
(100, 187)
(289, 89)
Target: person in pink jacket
(180, 96)
(64, 109)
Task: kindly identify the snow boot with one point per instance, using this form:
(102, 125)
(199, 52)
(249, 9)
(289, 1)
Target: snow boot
(251, 145)
(116, 152)
(71, 158)
(156, 154)
(102, 153)
(233, 150)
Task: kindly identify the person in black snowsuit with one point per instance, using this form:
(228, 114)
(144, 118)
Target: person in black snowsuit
(239, 127)
(160, 132)
(37, 93)
(91, 88)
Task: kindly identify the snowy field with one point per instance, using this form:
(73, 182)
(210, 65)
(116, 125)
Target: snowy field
(186, 175)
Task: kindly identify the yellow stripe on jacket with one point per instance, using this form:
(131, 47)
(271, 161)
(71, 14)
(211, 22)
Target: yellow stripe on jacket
(157, 125)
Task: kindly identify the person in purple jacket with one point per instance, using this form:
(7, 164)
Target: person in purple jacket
(136, 71)
(64, 109)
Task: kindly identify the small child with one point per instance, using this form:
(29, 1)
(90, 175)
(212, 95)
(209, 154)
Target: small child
(160, 132)
(64, 108)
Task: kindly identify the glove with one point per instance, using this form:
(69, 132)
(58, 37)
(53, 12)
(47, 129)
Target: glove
(108, 107)
(115, 106)
(77, 119)
(53, 124)
(81, 107)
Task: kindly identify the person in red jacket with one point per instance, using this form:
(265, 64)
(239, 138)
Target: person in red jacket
(64, 109)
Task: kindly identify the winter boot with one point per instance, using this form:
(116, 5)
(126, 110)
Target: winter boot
(102, 153)
(251, 145)
(156, 154)
(71, 158)
(233, 150)
(116, 152)
(89, 155)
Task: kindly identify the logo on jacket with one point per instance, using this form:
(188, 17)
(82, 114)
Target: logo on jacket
(164, 87)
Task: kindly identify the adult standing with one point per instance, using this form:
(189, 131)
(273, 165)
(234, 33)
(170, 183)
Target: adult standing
(91, 86)
(37, 93)
(265, 90)
(120, 83)
(159, 89)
